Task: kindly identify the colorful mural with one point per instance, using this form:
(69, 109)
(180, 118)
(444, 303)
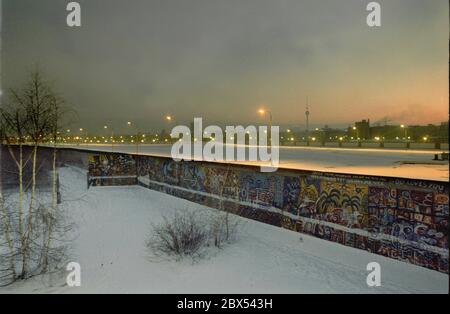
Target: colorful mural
(111, 165)
(111, 169)
(401, 219)
(342, 203)
(222, 181)
(261, 190)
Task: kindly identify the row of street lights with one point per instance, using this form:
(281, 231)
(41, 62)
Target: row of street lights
(168, 118)
(129, 124)
(261, 111)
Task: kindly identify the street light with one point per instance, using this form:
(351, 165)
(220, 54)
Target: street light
(357, 132)
(112, 137)
(137, 135)
(169, 118)
(406, 134)
(406, 130)
(263, 112)
(81, 136)
(357, 135)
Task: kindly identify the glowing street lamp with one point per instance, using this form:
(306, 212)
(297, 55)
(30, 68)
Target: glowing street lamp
(137, 135)
(81, 137)
(406, 130)
(112, 137)
(263, 111)
(357, 132)
(169, 118)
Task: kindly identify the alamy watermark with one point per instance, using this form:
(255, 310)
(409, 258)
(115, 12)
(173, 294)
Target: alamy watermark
(74, 16)
(373, 279)
(73, 279)
(252, 144)
(373, 19)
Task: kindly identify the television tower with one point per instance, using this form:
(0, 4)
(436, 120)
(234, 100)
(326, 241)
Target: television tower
(307, 116)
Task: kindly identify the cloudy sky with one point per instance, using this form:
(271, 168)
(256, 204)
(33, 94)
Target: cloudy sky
(222, 59)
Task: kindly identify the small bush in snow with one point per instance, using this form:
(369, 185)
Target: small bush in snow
(188, 233)
(182, 234)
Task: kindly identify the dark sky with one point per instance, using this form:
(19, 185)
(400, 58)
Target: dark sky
(223, 59)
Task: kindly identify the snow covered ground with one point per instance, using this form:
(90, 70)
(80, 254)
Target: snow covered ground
(113, 223)
(415, 164)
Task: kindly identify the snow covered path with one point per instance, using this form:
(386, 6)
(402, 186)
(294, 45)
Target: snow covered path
(113, 223)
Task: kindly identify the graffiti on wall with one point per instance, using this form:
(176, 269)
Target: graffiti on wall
(111, 169)
(222, 181)
(381, 209)
(261, 190)
(111, 165)
(342, 203)
(192, 176)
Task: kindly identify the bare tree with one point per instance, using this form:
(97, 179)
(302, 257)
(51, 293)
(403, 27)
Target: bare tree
(33, 116)
(57, 114)
(224, 226)
(13, 120)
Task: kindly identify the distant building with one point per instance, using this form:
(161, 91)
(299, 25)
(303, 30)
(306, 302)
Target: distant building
(387, 132)
(430, 132)
(363, 129)
(443, 130)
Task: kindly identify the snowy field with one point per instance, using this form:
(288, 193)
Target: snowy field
(113, 223)
(415, 164)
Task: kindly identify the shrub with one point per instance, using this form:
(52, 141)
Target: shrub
(188, 233)
(182, 234)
